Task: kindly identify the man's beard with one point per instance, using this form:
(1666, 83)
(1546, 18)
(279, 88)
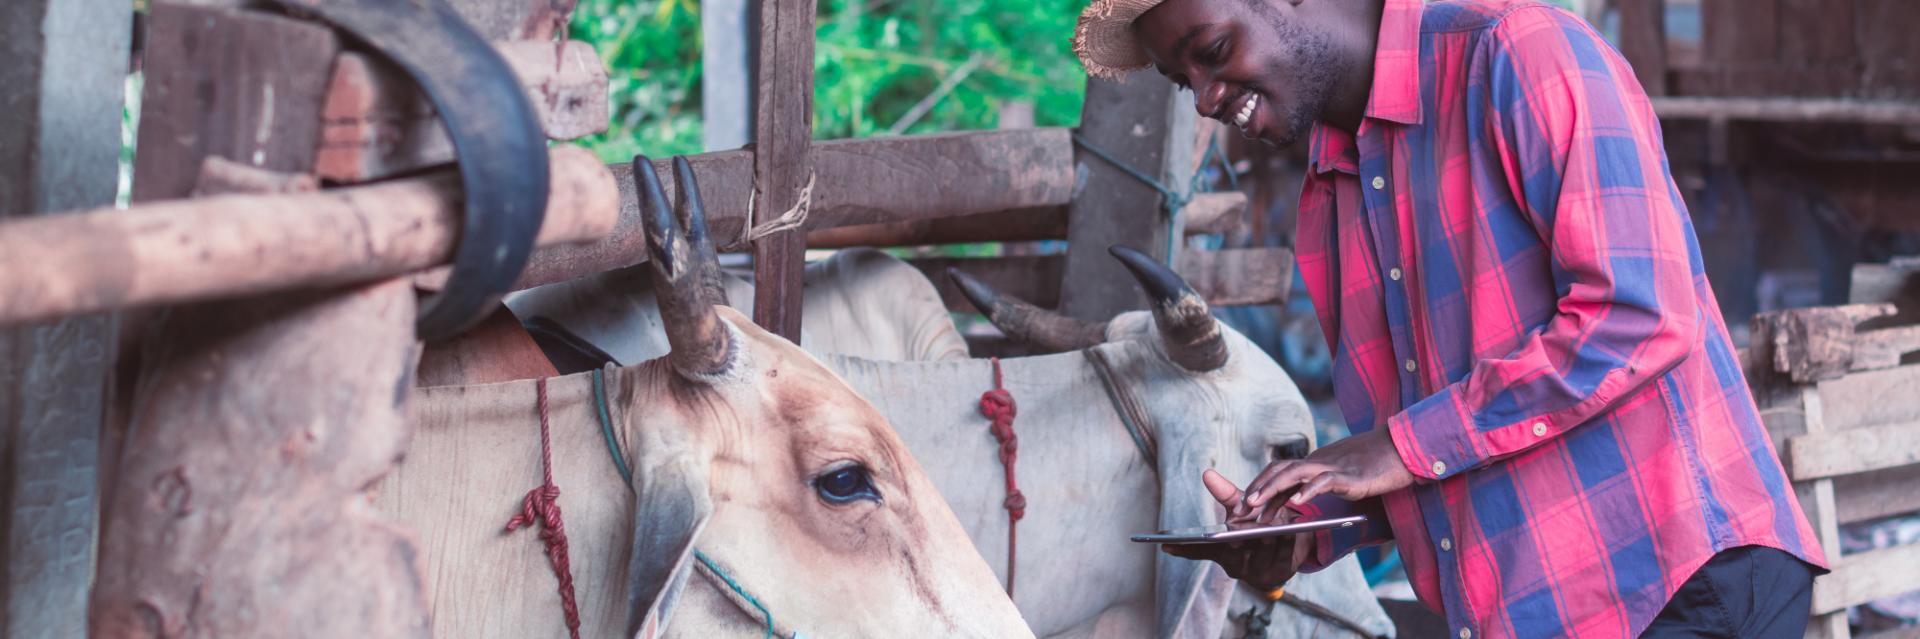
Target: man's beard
(1319, 71)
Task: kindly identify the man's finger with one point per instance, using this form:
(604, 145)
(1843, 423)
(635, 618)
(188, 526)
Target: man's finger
(1268, 474)
(1293, 475)
(1222, 488)
(1319, 486)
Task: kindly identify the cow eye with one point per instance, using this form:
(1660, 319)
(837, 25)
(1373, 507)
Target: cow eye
(845, 484)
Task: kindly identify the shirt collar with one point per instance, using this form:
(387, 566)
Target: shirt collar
(1395, 95)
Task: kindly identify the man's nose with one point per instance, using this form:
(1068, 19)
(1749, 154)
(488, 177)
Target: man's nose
(1209, 97)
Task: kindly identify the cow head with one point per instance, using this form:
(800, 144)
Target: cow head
(761, 472)
(1210, 396)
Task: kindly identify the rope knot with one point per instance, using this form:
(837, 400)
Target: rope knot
(999, 408)
(542, 507)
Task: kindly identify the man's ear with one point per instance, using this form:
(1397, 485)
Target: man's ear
(671, 507)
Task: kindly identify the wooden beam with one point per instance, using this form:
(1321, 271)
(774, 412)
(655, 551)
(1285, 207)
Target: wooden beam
(1229, 277)
(1790, 410)
(1148, 124)
(1876, 494)
(509, 19)
(856, 182)
(1209, 214)
(64, 66)
(196, 249)
(378, 123)
(1866, 576)
(1789, 109)
(1860, 398)
(1857, 450)
(1643, 41)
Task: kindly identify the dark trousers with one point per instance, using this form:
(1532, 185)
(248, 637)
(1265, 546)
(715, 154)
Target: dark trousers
(1750, 592)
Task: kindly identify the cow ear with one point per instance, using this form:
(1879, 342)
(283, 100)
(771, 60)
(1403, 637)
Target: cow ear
(671, 507)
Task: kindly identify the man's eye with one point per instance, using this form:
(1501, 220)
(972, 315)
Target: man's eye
(1215, 52)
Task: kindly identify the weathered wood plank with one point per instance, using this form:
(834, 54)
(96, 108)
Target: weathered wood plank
(1788, 109)
(1857, 450)
(1002, 177)
(241, 488)
(378, 123)
(185, 250)
(241, 85)
(1148, 124)
(783, 163)
(63, 65)
(1889, 53)
(1239, 277)
(1643, 41)
(1876, 494)
(1746, 80)
(509, 19)
(1866, 398)
(1209, 214)
(1866, 576)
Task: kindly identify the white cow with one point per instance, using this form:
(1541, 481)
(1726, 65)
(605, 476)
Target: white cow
(1086, 481)
(751, 465)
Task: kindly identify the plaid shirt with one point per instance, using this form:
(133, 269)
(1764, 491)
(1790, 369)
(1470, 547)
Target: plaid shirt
(1512, 288)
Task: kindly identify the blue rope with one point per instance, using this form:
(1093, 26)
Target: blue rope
(620, 462)
(1171, 201)
(708, 562)
(606, 425)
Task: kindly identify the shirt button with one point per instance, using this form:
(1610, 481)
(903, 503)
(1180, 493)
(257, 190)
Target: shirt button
(1439, 468)
(1379, 183)
(1539, 429)
(1446, 543)
(1466, 634)
(1394, 273)
(1411, 366)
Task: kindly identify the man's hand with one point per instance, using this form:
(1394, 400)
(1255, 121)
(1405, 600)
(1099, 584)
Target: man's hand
(1262, 563)
(1355, 468)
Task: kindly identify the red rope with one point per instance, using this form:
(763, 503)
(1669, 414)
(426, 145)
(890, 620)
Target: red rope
(997, 405)
(542, 505)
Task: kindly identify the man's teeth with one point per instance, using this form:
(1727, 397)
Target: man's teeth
(1246, 111)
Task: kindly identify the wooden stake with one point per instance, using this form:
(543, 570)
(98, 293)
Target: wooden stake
(783, 162)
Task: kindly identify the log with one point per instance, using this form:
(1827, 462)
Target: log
(377, 123)
(1208, 214)
(239, 509)
(855, 182)
(184, 250)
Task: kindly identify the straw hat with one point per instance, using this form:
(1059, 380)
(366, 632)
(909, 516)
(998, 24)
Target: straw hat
(1104, 39)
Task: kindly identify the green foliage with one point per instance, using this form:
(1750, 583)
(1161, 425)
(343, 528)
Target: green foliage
(874, 60)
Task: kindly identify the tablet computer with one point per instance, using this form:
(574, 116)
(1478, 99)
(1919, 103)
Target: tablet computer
(1241, 532)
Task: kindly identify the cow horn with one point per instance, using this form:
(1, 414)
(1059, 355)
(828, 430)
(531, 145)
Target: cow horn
(690, 209)
(682, 258)
(1191, 336)
(1027, 323)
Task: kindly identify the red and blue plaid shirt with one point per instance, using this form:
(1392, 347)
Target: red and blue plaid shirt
(1512, 288)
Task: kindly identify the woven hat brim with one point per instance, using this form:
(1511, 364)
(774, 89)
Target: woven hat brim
(1104, 39)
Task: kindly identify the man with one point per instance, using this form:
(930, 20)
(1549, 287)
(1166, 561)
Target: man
(1549, 418)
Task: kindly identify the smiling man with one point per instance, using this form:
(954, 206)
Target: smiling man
(1550, 420)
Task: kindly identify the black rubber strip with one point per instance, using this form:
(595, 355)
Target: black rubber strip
(497, 140)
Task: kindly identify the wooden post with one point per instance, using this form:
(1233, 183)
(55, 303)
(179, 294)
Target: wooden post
(726, 76)
(1148, 124)
(783, 161)
(1643, 40)
(64, 67)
